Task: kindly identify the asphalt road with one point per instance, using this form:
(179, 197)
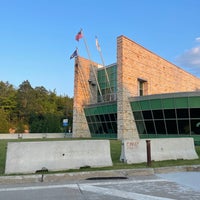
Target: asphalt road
(170, 186)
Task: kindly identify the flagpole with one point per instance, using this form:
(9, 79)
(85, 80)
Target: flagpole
(102, 60)
(92, 67)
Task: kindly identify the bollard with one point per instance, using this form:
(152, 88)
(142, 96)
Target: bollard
(122, 156)
(148, 146)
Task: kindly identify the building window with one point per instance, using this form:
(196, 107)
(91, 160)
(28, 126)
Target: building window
(142, 87)
(107, 79)
(102, 120)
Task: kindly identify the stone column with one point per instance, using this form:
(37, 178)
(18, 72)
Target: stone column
(84, 93)
(125, 119)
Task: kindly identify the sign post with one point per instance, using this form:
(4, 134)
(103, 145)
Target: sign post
(65, 124)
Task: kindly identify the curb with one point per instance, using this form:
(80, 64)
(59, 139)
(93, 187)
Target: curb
(108, 174)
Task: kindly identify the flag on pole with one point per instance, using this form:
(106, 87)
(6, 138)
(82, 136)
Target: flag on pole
(75, 54)
(79, 35)
(97, 44)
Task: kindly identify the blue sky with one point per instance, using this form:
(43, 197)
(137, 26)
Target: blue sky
(37, 37)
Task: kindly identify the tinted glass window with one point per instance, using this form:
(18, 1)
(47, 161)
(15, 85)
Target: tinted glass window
(150, 127)
(183, 127)
(147, 114)
(113, 117)
(170, 114)
(160, 127)
(171, 127)
(182, 113)
(157, 114)
(195, 112)
(138, 115)
(102, 118)
(195, 126)
(141, 127)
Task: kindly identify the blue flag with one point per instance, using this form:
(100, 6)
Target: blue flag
(75, 54)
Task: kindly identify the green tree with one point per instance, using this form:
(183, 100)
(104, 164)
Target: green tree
(4, 122)
(35, 108)
(7, 106)
(25, 100)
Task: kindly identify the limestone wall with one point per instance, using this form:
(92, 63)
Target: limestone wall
(162, 76)
(84, 93)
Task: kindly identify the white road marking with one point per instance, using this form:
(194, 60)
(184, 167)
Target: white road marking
(33, 188)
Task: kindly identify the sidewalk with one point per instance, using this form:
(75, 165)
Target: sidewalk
(122, 173)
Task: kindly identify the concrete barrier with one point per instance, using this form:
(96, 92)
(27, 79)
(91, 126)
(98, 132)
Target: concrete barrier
(135, 151)
(29, 157)
(34, 135)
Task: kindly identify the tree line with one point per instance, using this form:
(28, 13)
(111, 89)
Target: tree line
(33, 110)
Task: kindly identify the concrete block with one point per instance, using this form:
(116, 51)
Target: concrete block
(29, 157)
(135, 151)
(34, 135)
(8, 136)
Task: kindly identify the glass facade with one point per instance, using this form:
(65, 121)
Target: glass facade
(102, 120)
(162, 115)
(172, 114)
(107, 78)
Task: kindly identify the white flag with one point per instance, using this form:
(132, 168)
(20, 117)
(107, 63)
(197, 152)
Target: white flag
(97, 45)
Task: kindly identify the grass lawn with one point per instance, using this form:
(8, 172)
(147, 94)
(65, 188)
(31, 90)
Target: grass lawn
(115, 154)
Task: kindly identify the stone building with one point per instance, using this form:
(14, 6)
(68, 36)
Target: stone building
(141, 95)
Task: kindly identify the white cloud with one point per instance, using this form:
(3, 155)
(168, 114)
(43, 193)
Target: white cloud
(190, 60)
(197, 39)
